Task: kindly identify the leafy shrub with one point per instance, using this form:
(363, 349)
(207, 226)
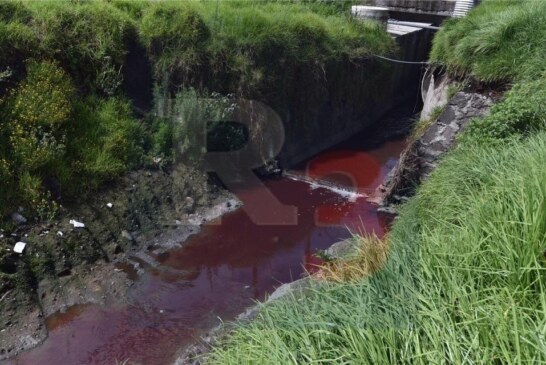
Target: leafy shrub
(105, 141)
(37, 112)
(35, 117)
(52, 135)
(162, 144)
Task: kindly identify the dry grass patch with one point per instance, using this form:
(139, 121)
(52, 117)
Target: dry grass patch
(369, 257)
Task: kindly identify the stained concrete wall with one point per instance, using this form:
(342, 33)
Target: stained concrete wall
(398, 84)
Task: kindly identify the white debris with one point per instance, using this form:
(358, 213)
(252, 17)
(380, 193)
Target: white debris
(19, 247)
(77, 224)
(109, 205)
(156, 160)
(59, 233)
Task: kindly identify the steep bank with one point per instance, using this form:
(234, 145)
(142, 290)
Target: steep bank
(93, 55)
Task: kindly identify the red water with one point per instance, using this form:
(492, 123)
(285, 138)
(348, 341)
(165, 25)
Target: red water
(222, 270)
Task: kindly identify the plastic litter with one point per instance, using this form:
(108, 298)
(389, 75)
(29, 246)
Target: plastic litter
(19, 247)
(77, 224)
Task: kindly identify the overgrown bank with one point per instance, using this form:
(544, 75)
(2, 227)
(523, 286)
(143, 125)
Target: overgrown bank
(464, 278)
(67, 69)
(72, 71)
(78, 129)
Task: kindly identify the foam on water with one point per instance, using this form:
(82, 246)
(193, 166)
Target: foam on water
(351, 196)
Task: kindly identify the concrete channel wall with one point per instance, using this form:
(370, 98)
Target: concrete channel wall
(398, 84)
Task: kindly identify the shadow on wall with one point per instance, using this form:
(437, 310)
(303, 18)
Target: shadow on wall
(137, 78)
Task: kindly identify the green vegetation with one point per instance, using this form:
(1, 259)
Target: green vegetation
(498, 41)
(421, 125)
(68, 125)
(464, 279)
(522, 113)
(282, 53)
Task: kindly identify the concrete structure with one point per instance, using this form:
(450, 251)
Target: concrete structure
(380, 14)
(385, 85)
(430, 11)
(462, 7)
(436, 7)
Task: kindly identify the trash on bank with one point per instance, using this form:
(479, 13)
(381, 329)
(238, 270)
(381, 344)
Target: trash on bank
(19, 247)
(77, 224)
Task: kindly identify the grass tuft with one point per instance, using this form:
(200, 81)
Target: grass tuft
(370, 256)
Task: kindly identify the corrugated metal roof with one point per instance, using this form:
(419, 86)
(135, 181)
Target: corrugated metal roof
(462, 7)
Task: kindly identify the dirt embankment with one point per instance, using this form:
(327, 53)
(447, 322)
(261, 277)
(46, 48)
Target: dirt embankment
(126, 225)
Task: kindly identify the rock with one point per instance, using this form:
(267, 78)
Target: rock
(421, 156)
(18, 218)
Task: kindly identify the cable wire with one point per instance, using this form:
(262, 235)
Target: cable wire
(400, 61)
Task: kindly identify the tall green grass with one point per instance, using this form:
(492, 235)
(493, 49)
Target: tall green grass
(498, 41)
(464, 282)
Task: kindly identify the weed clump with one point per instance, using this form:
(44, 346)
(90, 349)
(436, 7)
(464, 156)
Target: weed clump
(36, 116)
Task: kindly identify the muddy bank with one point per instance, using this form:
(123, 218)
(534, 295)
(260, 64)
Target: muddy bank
(146, 213)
